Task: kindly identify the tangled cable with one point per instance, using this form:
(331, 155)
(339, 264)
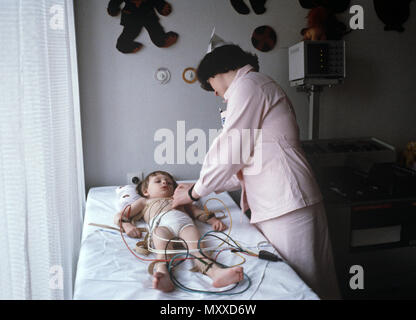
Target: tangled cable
(177, 259)
(174, 262)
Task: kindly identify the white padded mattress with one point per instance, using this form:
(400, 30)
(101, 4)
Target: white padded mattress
(107, 270)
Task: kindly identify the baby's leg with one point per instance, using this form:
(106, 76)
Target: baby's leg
(161, 278)
(221, 276)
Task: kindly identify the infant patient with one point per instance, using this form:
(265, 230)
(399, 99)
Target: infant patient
(165, 223)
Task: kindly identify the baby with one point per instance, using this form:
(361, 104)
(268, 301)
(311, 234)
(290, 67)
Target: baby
(165, 223)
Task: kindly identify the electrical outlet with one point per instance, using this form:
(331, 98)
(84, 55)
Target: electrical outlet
(131, 175)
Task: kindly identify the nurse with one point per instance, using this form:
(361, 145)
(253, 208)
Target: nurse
(277, 183)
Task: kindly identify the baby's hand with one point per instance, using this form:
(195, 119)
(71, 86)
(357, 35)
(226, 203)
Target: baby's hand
(117, 218)
(217, 224)
(132, 231)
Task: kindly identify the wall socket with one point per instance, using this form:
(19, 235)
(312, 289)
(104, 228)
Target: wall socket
(130, 176)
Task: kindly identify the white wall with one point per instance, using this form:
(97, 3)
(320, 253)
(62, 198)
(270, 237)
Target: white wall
(123, 106)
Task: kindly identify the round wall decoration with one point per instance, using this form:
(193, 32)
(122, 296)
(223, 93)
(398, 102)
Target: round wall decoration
(264, 38)
(189, 75)
(162, 75)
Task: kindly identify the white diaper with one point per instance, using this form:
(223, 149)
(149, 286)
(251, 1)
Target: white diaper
(174, 220)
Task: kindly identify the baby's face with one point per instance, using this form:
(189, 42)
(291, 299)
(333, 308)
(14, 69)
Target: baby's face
(160, 186)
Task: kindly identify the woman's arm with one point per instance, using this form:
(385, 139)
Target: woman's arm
(233, 184)
(181, 195)
(231, 150)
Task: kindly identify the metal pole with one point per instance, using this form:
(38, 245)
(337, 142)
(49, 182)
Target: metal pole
(314, 94)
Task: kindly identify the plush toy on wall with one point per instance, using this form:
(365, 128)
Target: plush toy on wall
(242, 8)
(337, 6)
(137, 14)
(393, 13)
(322, 21)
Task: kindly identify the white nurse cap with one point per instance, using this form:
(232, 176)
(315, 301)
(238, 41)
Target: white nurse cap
(216, 41)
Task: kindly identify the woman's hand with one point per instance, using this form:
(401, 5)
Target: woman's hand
(217, 224)
(181, 196)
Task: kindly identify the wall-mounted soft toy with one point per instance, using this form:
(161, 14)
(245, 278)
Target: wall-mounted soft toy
(336, 6)
(242, 8)
(393, 13)
(322, 21)
(137, 14)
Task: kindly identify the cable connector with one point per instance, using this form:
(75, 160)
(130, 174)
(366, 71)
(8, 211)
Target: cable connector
(266, 255)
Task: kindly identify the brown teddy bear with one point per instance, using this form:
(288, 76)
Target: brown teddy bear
(322, 21)
(323, 25)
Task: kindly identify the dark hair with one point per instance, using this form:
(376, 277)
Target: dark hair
(142, 185)
(223, 59)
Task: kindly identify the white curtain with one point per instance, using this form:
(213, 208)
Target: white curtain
(42, 195)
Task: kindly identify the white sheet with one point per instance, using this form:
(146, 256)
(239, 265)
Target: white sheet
(107, 270)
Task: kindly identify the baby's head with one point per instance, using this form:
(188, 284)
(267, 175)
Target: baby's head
(158, 184)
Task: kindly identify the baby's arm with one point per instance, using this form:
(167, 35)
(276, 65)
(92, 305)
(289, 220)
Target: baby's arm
(200, 214)
(123, 218)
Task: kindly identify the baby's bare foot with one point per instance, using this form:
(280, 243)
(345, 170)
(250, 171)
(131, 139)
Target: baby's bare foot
(162, 282)
(225, 277)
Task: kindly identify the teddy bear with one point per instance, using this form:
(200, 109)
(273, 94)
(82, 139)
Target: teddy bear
(322, 21)
(393, 13)
(337, 6)
(242, 8)
(137, 14)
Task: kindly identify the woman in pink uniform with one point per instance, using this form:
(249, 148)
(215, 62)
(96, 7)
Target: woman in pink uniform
(277, 183)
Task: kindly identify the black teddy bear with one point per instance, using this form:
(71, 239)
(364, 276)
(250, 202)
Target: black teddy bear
(137, 14)
(242, 8)
(393, 13)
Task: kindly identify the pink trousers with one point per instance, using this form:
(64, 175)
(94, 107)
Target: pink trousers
(301, 237)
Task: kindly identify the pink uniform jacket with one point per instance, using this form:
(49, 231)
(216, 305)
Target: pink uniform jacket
(285, 181)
